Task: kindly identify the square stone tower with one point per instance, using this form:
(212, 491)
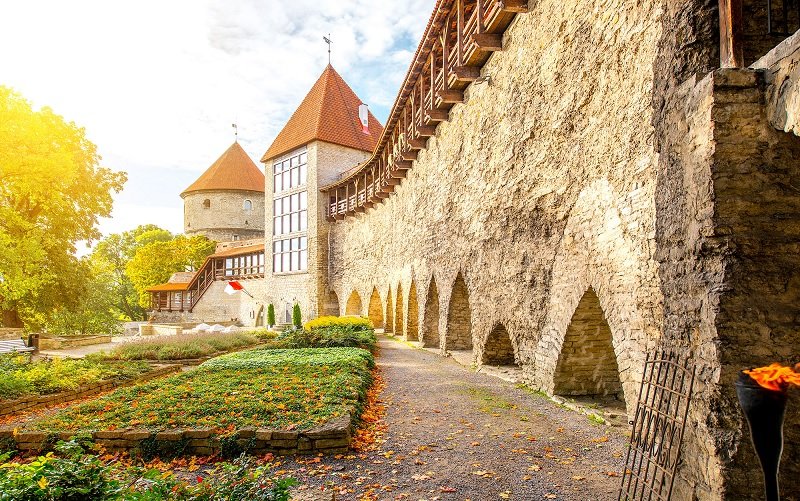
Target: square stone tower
(323, 139)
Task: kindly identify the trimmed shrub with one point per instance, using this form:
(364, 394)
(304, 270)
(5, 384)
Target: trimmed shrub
(354, 322)
(297, 318)
(271, 315)
(182, 346)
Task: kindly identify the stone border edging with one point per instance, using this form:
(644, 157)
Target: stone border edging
(331, 437)
(33, 402)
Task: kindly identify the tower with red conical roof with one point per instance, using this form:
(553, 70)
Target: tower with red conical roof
(323, 138)
(226, 202)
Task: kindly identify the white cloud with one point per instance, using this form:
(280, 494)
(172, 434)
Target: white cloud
(157, 84)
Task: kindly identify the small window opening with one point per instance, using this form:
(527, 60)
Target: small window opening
(207, 203)
(248, 205)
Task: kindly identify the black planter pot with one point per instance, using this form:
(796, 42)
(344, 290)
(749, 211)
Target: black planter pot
(764, 410)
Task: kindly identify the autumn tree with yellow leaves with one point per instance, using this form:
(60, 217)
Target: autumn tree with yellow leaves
(52, 192)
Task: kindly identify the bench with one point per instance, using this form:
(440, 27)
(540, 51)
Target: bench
(14, 345)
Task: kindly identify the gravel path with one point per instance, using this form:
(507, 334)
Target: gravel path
(454, 434)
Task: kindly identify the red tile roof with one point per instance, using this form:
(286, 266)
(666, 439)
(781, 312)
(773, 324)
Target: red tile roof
(328, 113)
(234, 170)
(169, 287)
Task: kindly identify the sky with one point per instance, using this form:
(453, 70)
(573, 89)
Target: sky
(158, 83)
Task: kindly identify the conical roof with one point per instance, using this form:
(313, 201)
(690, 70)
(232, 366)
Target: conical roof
(328, 113)
(234, 170)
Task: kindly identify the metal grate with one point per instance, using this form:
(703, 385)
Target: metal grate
(658, 426)
(783, 17)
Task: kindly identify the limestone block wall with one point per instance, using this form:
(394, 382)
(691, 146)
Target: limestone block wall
(218, 306)
(309, 288)
(540, 186)
(782, 74)
(728, 235)
(220, 214)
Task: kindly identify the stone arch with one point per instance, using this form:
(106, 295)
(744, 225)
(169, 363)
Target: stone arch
(353, 306)
(375, 311)
(587, 364)
(430, 323)
(331, 305)
(389, 313)
(412, 325)
(260, 321)
(458, 335)
(596, 251)
(498, 349)
(399, 325)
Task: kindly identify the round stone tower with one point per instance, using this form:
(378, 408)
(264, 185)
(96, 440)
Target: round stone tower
(227, 202)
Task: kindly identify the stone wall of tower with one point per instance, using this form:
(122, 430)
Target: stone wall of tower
(221, 215)
(595, 159)
(326, 161)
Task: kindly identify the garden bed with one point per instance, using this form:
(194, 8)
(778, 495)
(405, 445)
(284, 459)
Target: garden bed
(284, 401)
(25, 384)
(182, 346)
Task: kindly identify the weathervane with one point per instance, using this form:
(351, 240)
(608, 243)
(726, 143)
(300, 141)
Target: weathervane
(235, 132)
(329, 42)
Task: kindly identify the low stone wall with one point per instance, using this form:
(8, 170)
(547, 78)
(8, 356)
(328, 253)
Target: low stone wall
(60, 343)
(332, 437)
(160, 329)
(33, 402)
(11, 333)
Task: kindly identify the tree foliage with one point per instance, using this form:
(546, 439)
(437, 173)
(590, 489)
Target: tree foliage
(155, 262)
(52, 192)
(110, 258)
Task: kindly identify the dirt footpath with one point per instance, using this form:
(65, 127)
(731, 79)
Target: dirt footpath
(453, 434)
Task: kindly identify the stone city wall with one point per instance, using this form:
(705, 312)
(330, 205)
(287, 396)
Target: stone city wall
(595, 163)
(538, 188)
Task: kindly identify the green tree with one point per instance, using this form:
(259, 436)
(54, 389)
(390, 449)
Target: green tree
(52, 192)
(271, 315)
(109, 260)
(155, 262)
(94, 313)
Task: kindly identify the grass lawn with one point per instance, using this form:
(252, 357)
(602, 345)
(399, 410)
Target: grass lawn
(20, 377)
(280, 389)
(182, 346)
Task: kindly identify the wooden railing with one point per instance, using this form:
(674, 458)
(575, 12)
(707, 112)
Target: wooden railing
(459, 38)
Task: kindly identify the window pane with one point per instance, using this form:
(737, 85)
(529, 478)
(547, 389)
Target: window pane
(303, 174)
(285, 245)
(285, 223)
(285, 264)
(303, 242)
(303, 157)
(296, 221)
(277, 183)
(303, 260)
(276, 263)
(304, 200)
(286, 183)
(285, 164)
(276, 207)
(295, 202)
(303, 220)
(276, 168)
(295, 177)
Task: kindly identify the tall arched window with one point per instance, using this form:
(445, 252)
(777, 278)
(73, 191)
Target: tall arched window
(207, 203)
(248, 205)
